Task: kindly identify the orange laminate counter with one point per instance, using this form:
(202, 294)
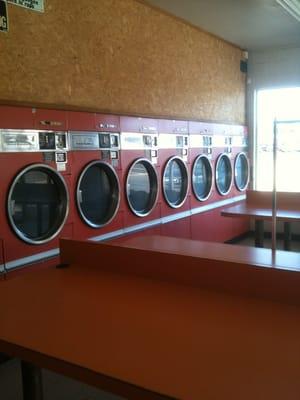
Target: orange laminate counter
(258, 205)
(245, 209)
(142, 335)
(241, 270)
(235, 254)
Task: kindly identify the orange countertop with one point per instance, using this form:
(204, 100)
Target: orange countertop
(258, 204)
(247, 210)
(241, 270)
(215, 251)
(149, 338)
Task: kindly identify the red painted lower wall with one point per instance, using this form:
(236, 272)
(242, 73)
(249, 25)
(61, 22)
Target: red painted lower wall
(209, 226)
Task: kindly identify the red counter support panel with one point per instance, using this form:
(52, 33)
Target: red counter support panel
(161, 318)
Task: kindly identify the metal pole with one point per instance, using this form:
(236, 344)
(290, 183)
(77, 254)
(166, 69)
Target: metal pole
(32, 381)
(274, 197)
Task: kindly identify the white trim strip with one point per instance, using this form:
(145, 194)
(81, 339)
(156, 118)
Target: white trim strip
(217, 204)
(169, 218)
(22, 262)
(139, 227)
(107, 236)
(175, 217)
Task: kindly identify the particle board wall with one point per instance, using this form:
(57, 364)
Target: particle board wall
(119, 56)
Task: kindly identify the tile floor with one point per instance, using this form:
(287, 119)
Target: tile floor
(249, 241)
(56, 387)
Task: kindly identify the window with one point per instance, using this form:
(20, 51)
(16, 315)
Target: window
(282, 104)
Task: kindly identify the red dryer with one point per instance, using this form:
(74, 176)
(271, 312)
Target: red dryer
(35, 186)
(201, 164)
(224, 147)
(241, 171)
(173, 140)
(96, 174)
(231, 178)
(241, 166)
(222, 161)
(140, 178)
(202, 181)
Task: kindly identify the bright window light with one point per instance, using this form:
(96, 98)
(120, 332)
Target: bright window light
(292, 7)
(282, 104)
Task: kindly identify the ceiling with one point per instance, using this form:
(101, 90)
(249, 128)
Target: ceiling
(250, 24)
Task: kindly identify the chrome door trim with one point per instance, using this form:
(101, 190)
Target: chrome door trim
(52, 172)
(184, 169)
(202, 156)
(153, 189)
(239, 155)
(115, 195)
(225, 156)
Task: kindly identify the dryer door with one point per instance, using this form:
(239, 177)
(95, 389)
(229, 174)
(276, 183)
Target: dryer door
(202, 178)
(142, 187)
(241, 171)
(175, 182)
(223, 174)
(98, 194)
(38, 204)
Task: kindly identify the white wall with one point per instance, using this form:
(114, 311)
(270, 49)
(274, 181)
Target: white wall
(274, 68)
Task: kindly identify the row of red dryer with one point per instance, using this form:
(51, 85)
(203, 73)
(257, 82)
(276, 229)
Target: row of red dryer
(86, 175)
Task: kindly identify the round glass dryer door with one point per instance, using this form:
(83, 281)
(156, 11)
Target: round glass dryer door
(175, 182)
(38, 204)
(202, 177)
(241, 171)
(142, 187)
(223, 174)
(98, 194)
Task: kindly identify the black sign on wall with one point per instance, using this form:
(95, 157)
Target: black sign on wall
(3, 17)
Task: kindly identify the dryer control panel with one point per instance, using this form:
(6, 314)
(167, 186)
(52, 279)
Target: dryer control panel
(52, 144)
(223, 143)
(109, 144)
(14, 140)
(147, 143)
(173, 141)
(203, 142)
(106, 142)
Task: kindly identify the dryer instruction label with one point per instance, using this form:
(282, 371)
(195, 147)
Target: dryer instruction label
(34, 5)
(3, 17)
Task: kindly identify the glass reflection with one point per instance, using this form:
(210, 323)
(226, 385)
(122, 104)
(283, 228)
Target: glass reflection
(38, 204)
(97, 193)
(138, 188)
(241, 172)
(202, 178)
(173, 181)
(224, 174)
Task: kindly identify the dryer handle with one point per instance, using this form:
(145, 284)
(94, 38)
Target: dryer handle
(80, 196)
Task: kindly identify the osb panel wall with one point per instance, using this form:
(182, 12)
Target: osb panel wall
(119, 56)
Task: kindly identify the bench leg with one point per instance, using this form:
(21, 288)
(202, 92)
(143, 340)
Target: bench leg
(32, 382)
(287, 236)
(259, 233)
